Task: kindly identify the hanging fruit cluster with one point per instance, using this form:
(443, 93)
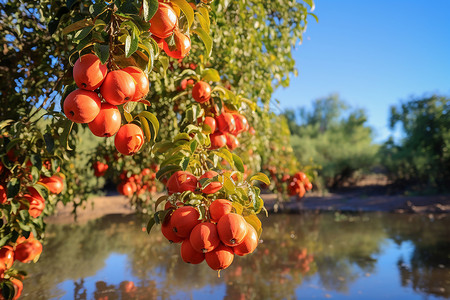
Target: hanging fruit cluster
(137, 183)
(299, 184)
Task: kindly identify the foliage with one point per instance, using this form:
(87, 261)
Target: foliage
(333, 136)
(422, 156)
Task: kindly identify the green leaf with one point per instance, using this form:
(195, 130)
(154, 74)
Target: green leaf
(35, 174)
(193, 146)
(255, 222)
(5, 123)
(164, 62)
(49, 142)
(153, 121)
(131, 44)
(185, 162)
(81, 34)
(102, 52)
(42, 190)
(203, 22)
(166, 169)
(261, 177)
(210, 75)
(160, 200)
(186, 9)
(149, 8)
(311, 4)
(206, 39)
(314, 16)
(13, 188)
(238, 163)
(146, 128)
(76, 26)
(70, 3)
(64, 138)
(150, 224)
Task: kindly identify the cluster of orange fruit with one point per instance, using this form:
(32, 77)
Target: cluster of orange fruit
(299, 184)
(163, 25)
(84, 105)
(216, 238)
(137, 183)
(24, 250)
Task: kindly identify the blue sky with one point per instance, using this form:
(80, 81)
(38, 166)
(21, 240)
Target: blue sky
(374, 54)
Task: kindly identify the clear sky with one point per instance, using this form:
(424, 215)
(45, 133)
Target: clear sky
(373, 53)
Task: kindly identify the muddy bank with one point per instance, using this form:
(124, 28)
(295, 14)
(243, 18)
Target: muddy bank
(118, 205)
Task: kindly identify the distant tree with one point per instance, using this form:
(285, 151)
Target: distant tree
(334, 136)
(423, 155)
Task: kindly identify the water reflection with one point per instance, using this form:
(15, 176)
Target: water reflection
(302, 256)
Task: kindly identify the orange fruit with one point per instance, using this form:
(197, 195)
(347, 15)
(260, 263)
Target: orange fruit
(129, 139)
(226, 123)
(125, 188)
(28, 250)
(3, 195)
(6, 258)
(181, 48)
(55, 183)
(183, 220)
(218, 140)
(37, 203)
(100, 168)
(142, 83)
(219, 208)
(88, 72)
(211, 123)
(241, 124)
(308, 186)
(249, 243)
(82, 106)
(201, 92)
(232, 141)
(107, 122)
(220, 258)
(118, 87)
(300, 176)
(164, 22)
(212, 187)
(181, 181)
(167, 230)
(232, 229)
(204, 237)
(189, 254)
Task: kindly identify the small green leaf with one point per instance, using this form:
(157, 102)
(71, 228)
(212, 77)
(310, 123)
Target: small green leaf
(206, 39)
(164, 62)
(314, 16)
(150, 224)
(149, 8)
(238, 163)
(255, 222)
(81, 34)
(311, 4)
(146, 128)
(166, 169)
(102, 52)
(64, 138)
(76, 26)
(261, 177)
(13, 187)
(153, 121)
(193, 146)
(160, 200)
(210, 75)
(131, 44)
(185, 162)
(186, 9)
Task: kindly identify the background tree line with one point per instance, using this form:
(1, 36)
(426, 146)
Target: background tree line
(337, 138)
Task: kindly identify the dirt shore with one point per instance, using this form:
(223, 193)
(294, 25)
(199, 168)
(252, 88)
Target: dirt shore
(117, 204)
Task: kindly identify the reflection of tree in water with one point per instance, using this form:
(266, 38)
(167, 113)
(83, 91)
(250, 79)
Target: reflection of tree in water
(427, 270)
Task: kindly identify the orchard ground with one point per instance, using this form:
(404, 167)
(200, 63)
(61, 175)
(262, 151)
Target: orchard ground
(371, 194)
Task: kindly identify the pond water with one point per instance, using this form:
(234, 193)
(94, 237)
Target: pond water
(308, 256)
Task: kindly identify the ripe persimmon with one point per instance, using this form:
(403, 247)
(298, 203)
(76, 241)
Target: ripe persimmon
(183, 220)
(107, 122)
(219, 208)
(82, 106)
(220, 258)
(308, 186)
(181, 48)
(88, 72)
(212, 187)
(232, 229)
(6, 258)
(118, 87)
(36, 202)
(189, 254)
(218, 140)
(142, 83)
(300, 176)
(211, 123)
(249, 243)
(28, 250)
(201, 92)
(100, 168)
(3, 195)
(181, 181)
(241, 123)
(226, 123)
(125, 188)
(232, 141)
(129, 139)
(164, 21)
(204, 237)
(167, 230)
(55, 183)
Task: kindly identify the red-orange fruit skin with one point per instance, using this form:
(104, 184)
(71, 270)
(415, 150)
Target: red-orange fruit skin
(100, 168)
(204, 237)
(201, 92)
(226, 123)
(183, 220)
(232, 229)
(107, 122)
(249, 243)
(129, 139)
(82, 106)
(6, 258)
(218, 140)
(182, 44)
(28, 250)
(142, 83)
(232, 141)
(88, 72)
(241, 123)
(220, 258)
(189, 254)
(167, 231)
(219, 208)
(181, 181)
(211, 122)
(118, 87)
(37, 203)
(164, 22)
(212, 187)
(3, 195)
(55, 183)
